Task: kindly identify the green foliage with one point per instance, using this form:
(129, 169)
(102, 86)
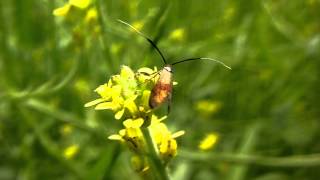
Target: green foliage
(265, 110)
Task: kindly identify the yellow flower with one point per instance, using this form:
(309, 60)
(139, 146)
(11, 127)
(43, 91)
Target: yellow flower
(208, 107)
(177, 34)
(82, 4)
(71, 151)
(62, 11)
(131, 135)
(138, 25)
(66, 129)
(122, 92)
(208, 142)
(92, 15)
(127, 95)
(163, 138)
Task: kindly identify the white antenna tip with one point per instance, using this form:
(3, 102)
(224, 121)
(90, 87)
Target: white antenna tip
(228, 67)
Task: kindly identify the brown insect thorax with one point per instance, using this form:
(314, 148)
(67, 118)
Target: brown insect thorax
(162, 90)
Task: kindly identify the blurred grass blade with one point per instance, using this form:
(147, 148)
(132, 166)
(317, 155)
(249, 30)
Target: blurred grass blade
(103, 167)
(238, 172)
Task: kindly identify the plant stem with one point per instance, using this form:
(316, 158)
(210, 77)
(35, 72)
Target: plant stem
(62, 116)
(157, 167)
(289, 161)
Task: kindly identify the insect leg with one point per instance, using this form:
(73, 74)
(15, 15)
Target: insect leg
(147, 74)
(169, 103)
(154, 75)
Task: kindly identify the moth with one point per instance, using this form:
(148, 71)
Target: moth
(162, 91)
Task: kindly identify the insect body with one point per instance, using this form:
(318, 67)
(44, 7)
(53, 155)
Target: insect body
(162, 91)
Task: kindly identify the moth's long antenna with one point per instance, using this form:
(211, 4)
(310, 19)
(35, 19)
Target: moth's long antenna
(201, 58)
(148, 39)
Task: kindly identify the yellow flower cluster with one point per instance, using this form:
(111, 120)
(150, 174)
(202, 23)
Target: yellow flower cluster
(163, 139)
(127, 95)
(83, 17)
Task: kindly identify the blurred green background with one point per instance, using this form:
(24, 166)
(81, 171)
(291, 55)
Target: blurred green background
(265, 110)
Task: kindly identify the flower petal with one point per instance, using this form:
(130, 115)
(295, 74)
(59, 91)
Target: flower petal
(92, 15)
(163, 148)
(119, 114)
(116, 137)
(94, 102)
(177, 134)
(82, 4)
(126, 73)
(137, 123)
(131, 106)
(105, 105)
(104, 91)
(122, 132)
(127, 123)
(62, 11)
(208, 142)
(71, 151)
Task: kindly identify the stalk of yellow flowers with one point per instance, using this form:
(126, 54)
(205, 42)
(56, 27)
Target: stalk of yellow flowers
(144, 133)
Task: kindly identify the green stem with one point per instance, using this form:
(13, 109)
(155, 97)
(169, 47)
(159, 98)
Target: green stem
(45, 89)
(289, 161)
(62, 116)
(157, 167)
